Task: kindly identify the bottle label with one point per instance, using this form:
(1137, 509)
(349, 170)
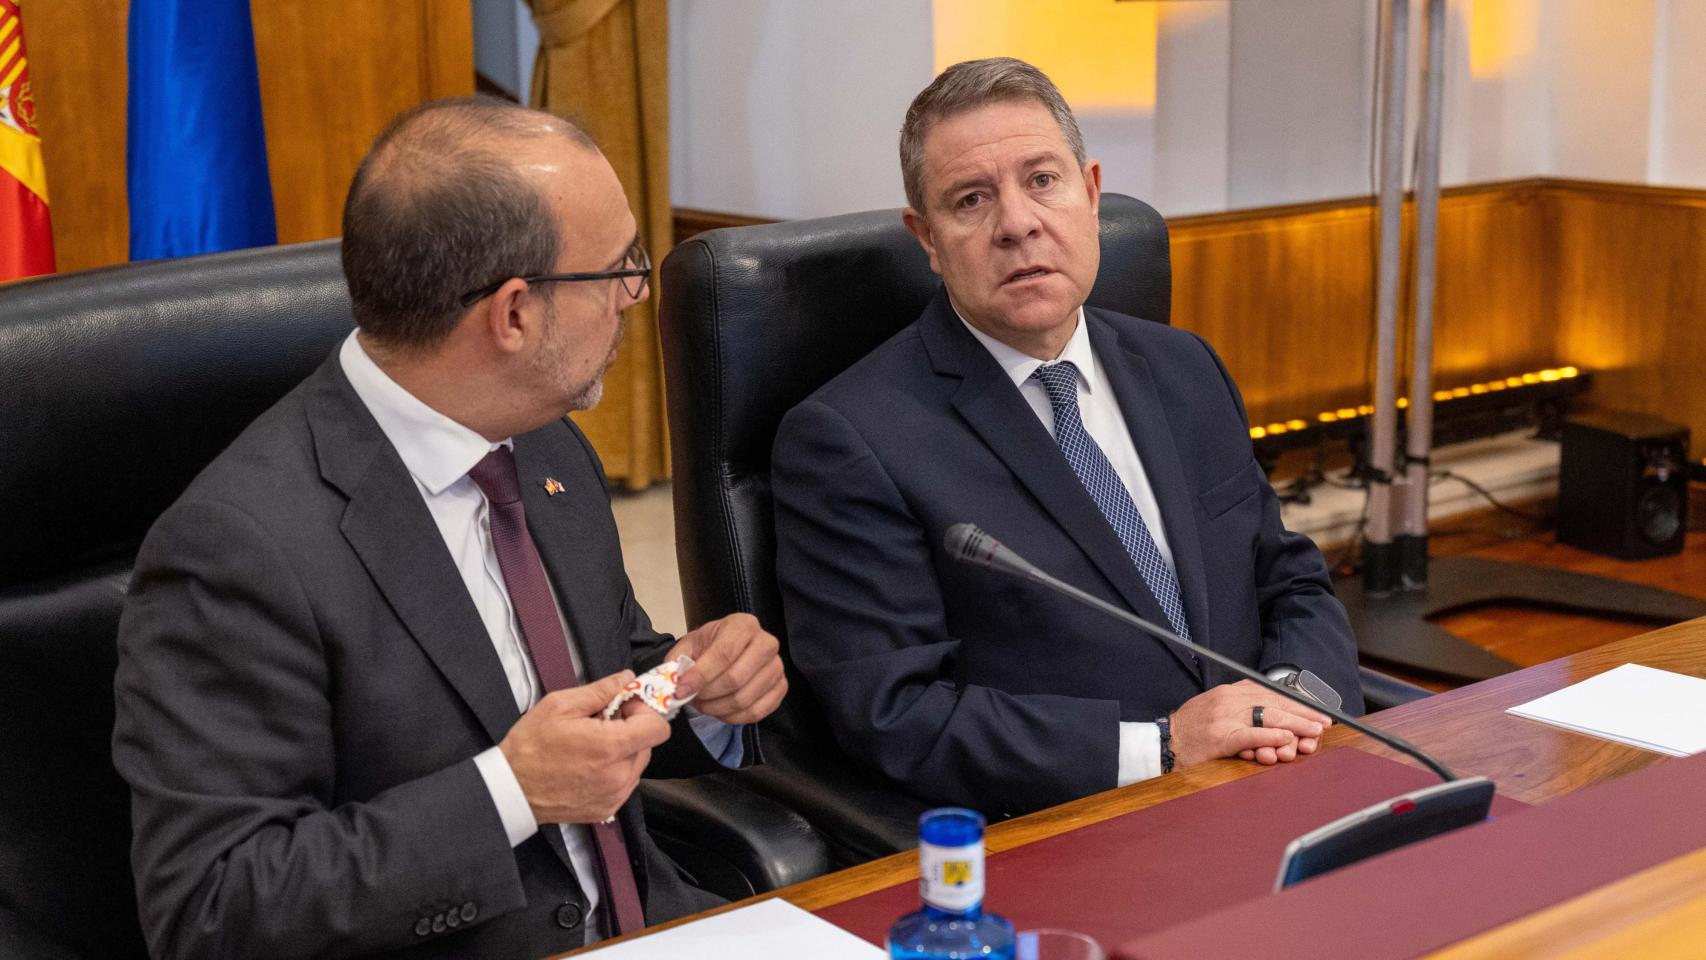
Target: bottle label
(951, 878)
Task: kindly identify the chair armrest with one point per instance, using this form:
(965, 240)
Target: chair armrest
(734, 842)
(856, 812)
(1380, 691)
(21, 941)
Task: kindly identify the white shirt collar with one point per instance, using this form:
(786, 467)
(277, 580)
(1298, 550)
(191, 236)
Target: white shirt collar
(1019, 365)
(437, 450)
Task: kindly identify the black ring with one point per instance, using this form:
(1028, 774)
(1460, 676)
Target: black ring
(1255, 716)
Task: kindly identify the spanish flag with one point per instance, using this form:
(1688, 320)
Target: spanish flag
(26, 235)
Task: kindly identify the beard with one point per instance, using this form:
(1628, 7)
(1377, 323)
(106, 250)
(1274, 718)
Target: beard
(589, 395)
(552, 361)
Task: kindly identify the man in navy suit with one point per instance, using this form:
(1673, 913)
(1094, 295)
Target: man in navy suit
(1111, 451)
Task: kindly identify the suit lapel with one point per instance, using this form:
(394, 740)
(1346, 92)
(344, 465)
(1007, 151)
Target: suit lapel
(568, 539)
(388, 526)
(998, 413)
(1146, 420)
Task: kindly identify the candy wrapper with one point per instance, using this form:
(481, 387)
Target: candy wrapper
(655, 688)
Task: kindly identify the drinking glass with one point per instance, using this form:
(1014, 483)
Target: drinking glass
(1047, 944)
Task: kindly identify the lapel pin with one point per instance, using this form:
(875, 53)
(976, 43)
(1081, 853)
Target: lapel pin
(552, 487)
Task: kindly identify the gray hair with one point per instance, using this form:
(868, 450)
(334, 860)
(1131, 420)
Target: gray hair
(437, 208)
(967, 86)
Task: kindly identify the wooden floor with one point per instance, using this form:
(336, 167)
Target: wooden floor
(1525, 635)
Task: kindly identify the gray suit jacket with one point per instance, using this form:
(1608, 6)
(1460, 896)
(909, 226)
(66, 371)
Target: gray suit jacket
(303, 683)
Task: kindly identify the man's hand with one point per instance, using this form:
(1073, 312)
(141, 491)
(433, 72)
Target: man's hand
(573, 765)
(737, 671)
(1216, 724)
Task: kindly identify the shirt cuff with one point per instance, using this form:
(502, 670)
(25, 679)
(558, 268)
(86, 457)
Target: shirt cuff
(1140, 752)
(513, 808)
(721, 740)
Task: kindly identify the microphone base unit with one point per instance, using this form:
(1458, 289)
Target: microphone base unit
(1385, 826)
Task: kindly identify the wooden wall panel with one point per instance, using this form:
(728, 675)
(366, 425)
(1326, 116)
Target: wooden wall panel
(331, 75)
(1629, 268)
(1492, 307)
(686, 222)
(1286, 295)
(77, 69)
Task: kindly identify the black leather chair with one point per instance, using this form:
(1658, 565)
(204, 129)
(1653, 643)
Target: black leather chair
(753, 320)
(116, 387)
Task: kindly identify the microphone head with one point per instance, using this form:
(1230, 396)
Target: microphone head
(967, 543)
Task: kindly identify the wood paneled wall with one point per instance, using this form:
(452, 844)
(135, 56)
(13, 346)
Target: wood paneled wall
(1286, 295)
(1628, 267)
(1532, 274)
(331, 75)
(77, 71)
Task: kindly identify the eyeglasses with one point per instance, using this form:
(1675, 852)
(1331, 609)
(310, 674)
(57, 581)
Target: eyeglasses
(636, 267)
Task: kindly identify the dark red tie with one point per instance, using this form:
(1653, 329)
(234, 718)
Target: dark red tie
(530, 594)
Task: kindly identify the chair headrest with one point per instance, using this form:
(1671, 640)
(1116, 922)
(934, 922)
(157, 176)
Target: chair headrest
(121, 383)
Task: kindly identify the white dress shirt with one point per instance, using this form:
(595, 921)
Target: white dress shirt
(1140, 743)
(438, 453)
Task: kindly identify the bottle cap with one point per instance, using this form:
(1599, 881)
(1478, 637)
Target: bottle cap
(950, 826)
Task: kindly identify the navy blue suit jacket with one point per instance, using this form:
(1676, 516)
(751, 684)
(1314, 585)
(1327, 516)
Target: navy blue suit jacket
(969, 687)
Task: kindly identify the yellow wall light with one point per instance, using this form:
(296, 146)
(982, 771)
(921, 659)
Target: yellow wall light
(1101, 55)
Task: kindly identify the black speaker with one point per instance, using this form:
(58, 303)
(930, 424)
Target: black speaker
(1623, 485)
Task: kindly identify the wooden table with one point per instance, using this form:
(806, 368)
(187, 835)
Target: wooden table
(1470, 732)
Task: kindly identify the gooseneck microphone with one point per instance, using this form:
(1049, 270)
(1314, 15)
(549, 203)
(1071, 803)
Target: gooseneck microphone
(969, 544)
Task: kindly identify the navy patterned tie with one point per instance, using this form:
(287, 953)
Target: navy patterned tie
(1060, 381)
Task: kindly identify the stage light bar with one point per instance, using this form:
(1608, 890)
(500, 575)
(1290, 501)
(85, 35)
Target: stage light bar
(1497, 401)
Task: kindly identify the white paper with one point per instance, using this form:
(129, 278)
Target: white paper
(769, 930)
(1643, 707)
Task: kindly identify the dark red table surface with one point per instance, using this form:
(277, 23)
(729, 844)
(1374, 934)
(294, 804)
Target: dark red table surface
(1157, 868)
(1424, 897)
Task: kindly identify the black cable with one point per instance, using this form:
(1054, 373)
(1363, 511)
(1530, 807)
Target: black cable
(1483, 492)
(1344, 484)
(1299, 489)
(1343, 566)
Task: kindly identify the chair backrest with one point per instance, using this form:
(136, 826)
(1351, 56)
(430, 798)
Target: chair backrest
(117, 386)
(756, 318)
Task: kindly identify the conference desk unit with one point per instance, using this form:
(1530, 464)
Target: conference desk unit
(1589, 901)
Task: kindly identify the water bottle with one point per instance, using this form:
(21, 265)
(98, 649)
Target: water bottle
(952, 924)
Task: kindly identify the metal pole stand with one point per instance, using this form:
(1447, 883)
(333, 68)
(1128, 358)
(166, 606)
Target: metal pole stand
(1399, 591)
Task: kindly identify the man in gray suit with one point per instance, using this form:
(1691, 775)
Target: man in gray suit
(349, 693)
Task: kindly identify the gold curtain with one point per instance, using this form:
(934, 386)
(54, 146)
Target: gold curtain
(606, 63)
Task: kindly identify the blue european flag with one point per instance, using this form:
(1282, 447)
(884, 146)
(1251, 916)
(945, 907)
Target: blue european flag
(197, 152)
